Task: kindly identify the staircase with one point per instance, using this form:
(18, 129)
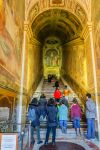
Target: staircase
(48, 89)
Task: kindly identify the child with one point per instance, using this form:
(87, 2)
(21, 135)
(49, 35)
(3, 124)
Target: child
(63, 116)
(66, 92)
(76, 116)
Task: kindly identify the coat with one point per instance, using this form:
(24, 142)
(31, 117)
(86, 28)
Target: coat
(35, 122)
(75, 111)
(90, 109)
(51, 115)
(63, 112)
(57, 94)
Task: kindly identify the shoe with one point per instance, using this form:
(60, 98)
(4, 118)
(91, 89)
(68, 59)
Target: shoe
(53, 143)
(93, 139)
(46, 143)
(88, 139)
(39, 142)
(32, 142)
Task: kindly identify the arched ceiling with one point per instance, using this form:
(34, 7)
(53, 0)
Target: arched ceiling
(56, 22)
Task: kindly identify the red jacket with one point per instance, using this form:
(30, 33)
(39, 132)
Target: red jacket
(57, 94)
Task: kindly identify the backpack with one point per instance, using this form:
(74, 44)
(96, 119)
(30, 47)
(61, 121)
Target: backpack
(52, 116)
(31, 114)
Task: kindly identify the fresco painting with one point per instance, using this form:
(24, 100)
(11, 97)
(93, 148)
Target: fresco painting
(96, 18)
(10, 39)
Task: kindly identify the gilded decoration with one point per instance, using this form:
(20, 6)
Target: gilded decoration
(70, 5)
(34, 12)
(58, 21)
(57, 2)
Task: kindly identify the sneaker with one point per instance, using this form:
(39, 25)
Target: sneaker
(88, 139)
(39, 142)
(32, 142)
(93, 139)
(53, 143)
(46, 143)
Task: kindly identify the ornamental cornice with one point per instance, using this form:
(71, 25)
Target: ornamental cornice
(86, 30)
(28, 29)
(77, 41)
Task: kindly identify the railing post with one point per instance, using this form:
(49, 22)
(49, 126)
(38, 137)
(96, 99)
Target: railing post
(22, 134)
(29, 136)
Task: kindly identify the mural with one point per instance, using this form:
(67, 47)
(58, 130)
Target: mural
(52, 58)
(52, 54)
(11, 35)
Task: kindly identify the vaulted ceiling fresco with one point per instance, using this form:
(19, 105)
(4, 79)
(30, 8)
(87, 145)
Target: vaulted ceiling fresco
(58, 23)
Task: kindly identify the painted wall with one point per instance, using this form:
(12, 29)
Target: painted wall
(96, 36)
(35, 66)
(11, 36)
(74, 66)
(90, 79)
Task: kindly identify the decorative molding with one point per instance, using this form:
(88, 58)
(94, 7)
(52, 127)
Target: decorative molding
(70, 5)
(86, 30)
(7, 74)
(55, 3)
(34, 41)
(28, 29)
(77, 41)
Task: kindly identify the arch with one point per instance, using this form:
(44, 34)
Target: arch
(73, 6)
(59, 21)
(8, 101)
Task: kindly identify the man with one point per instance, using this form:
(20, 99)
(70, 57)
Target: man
(51, 121)
(90, 116)
(33, 116)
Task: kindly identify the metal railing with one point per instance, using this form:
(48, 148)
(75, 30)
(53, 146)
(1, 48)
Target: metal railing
(24, 137)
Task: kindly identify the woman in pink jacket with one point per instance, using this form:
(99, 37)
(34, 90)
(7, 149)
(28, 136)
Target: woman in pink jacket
(76, 116)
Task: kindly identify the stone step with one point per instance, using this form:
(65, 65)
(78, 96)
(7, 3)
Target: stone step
(43, 124)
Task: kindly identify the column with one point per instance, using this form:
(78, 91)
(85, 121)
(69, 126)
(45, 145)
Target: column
(88, 32)
(20, 110)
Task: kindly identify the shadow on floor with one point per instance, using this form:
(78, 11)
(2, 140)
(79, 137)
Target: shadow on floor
(62, 146)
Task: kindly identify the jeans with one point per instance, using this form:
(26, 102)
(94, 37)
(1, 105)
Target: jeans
(63, 123)
(53, 134)
(37, 133)
(76, 122)
(90, 128)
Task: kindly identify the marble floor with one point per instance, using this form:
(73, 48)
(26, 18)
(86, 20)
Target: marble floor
(69, 137)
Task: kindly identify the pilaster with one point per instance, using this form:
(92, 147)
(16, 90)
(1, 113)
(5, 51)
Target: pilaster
(31, 38)
(86, 30)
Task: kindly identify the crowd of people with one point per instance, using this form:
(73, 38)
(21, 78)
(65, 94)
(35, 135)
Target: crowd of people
(56, 110)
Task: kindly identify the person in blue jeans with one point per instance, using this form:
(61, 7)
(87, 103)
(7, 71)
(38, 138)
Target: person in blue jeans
(90, 116)
(76, 116)
(51, 121)
(35, 122)
(63, 116)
